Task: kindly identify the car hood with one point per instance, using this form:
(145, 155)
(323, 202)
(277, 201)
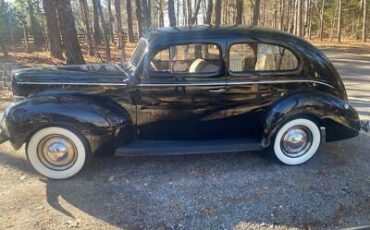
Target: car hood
(79, 74)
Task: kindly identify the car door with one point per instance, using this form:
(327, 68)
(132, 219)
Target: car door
(243, 114)
(259, 73)
(181, 93)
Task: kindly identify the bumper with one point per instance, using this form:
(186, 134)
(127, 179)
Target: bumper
(365, 125)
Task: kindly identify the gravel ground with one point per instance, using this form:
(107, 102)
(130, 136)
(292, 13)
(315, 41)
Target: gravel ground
(223, 191)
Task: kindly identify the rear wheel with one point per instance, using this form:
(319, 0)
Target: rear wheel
(56, 152)
(297, 141)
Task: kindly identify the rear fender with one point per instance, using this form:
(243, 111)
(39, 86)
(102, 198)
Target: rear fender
(340, 120)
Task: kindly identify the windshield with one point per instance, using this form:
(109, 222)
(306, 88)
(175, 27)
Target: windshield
(138, 53)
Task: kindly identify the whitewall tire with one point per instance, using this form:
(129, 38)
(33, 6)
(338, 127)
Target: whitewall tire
(56, 152)
(297, 141)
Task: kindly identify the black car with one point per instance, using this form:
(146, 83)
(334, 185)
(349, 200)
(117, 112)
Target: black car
(184, 91)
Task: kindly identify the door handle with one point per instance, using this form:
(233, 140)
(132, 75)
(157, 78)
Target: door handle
(216, 90)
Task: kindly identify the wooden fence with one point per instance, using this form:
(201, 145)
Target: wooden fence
(82, 38)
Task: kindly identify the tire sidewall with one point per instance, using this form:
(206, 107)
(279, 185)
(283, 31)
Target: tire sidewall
(316, 141)
(33, 158)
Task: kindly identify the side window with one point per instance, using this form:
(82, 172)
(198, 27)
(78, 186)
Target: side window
(254, 56)
(189, 58)
(161, 61)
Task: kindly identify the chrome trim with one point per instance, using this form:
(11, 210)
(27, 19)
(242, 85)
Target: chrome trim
(183, 84)
(323, 134)
(365, 125)
(279, 82)
(232, 83)
(296, 141)
(142, 56)
(19, 98)
(180, 84)
(119, 67)
(67, 83)
(57, 152)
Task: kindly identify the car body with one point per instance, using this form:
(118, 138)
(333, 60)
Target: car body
(184, 91)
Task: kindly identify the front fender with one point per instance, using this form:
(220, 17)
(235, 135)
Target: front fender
(98, 118)
(340, 120)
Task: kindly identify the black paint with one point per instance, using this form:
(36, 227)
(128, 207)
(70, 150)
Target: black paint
(113, 107)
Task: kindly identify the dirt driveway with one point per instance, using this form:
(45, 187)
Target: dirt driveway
(224, 191)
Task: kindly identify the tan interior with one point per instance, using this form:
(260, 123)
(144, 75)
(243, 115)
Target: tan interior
(271, 62)
(202, 66)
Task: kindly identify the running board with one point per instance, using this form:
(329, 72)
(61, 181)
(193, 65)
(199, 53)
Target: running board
(153, 148)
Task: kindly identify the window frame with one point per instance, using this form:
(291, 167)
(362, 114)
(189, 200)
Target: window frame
(164, 74)
(134, 68)
(264, 72)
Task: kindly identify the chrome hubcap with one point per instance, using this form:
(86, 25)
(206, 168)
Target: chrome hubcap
(296, 141)
(57, 152)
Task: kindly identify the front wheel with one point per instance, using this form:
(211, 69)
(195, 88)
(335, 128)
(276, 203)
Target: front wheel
(297, 141)
(56, 152)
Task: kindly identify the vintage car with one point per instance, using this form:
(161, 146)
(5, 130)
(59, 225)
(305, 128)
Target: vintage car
(184, 91)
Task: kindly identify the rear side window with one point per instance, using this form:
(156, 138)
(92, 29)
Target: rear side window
(252, 56)
(189, 58)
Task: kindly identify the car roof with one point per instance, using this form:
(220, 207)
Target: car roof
(207, 31)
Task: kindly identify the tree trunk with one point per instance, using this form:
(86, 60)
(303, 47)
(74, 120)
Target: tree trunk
(364, 22)
(307, 17)
(110, 20)
(290, 16)
(25, 35)
(256, 12)
(188, 12)
(138, 17)
(263, 19)
(55, 43)
(239, 12)
(35, 27)
(11, 31)
(2, 29)
(224, 12)
(309, 27)
(295, 18)
(282, 12)
(97, 31)
(196, 11)
(218, 12)
(177, 10)
(209, 12)
(322, 19)
(69, 34)
(149, 5)
(333, 20)
(86, 16)
(130, 29)
(358, 22)
(145, 16)
(105, 30)
(183, 12)
(339, 28)
(274, 19)
(300, 18)
(120, 38)
(160, 14)
(171, 13)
